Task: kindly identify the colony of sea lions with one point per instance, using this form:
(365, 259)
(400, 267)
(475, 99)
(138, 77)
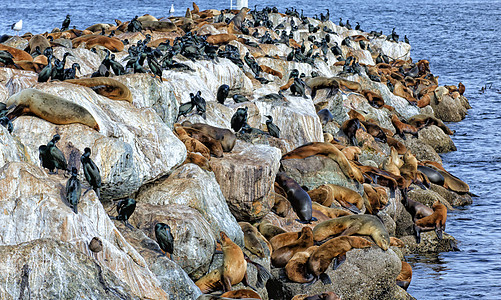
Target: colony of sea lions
(329, 219)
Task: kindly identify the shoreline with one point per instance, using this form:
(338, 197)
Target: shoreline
(255, 160)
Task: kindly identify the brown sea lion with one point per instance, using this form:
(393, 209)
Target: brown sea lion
(348, 85)
(422, 120)
(107, 87)
(375, 131)
(322, 257)
(403, 128)
(91, 41)
(350, 127)
(191, 144)
(376, 201)
(268, 230)
(282, 255)
(282, 206)
(49, 107)
(16, 53)
(199, 160)
(284, 239)
(318, 83)
(329, 150)
(330, 212)
(355, 224)
(395, 242)
(405, 276)
(213, 145)
(252, 239)
(345, 196)
(351, 152)
(374, 99)
(99, 27)
(160, 26)
(240, 17)
(299, 199)
(269, 70)
(409, 169)
(461, 88)
(321, 296)
(296, 267)
(223, 135)
(241, 293)
(38, 41)
(435, 221)
(221, 38)
(287, 85)
(390, 166)
(233, 270)
(401, 149)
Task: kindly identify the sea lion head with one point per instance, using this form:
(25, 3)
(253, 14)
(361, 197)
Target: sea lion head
(383, 239)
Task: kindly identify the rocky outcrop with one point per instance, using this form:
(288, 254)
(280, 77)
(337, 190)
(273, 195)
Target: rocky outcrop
(246, 177)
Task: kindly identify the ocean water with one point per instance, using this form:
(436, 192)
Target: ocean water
(461, 41)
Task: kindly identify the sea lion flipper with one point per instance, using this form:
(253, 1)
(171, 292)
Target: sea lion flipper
(341, 258)
(245, 281)
(350, 230)
(325, 278)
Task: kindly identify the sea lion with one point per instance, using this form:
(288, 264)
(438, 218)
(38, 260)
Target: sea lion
(355, 224)
(351, 152)
(160, 26)
(269, 70)
(374, 130)
(111, 43)
(329, 150)
(405, 276)
(221, 38)
(38, 41)
(16, 53)
(282, 255)
(233, 270)
(409, 169)
(376, 201)
(330, 212)
(318, 83)
(395, 242)
(284, 239)
(268, 230)
(350, 127)
(51, 108)
(325, 116)
(299, 199)
(375, 100)
(199, 160)
(252, 239)
(435, 221)
(401, 149)
(296, 267)
(213, 145)
(345, 196)
(107, 87)
(241, 293)
(223, 135)
(433, 175)
(240, 17)
(322, 257)
(322, 296)
(192, 145)
(282, 207)
(403, 128)
(422, 120)
(461, 88)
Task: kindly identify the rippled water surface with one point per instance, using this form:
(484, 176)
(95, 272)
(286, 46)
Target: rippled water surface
(461, 41)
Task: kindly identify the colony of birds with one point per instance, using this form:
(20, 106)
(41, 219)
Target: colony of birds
(310, 41)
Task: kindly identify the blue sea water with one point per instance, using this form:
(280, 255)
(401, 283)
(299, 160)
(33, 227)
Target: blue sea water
(461, 41)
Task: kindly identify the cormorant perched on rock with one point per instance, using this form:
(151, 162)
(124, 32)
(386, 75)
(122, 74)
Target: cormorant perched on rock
(91, 172)
(406, 39)
(45, 159)
(125, 208)
(357, 27)
(73, 190)
(135, 25)
(71, 72)
(341, 22)
(155, 67)
(239, 98)
(273, 129)
(348, 25)
(199, 102)
(44, 75)
(222, 93)
(164, 238)
(185, 109)
(239, 119)
(251, 62)
(56, 155)
(298, 87)
(66, 23)
(117, 67)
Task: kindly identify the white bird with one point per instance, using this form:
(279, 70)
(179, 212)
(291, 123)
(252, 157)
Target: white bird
(171, 10)
(17, 26)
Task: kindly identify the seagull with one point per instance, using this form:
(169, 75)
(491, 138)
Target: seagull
(17, 26)
(171, 10)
